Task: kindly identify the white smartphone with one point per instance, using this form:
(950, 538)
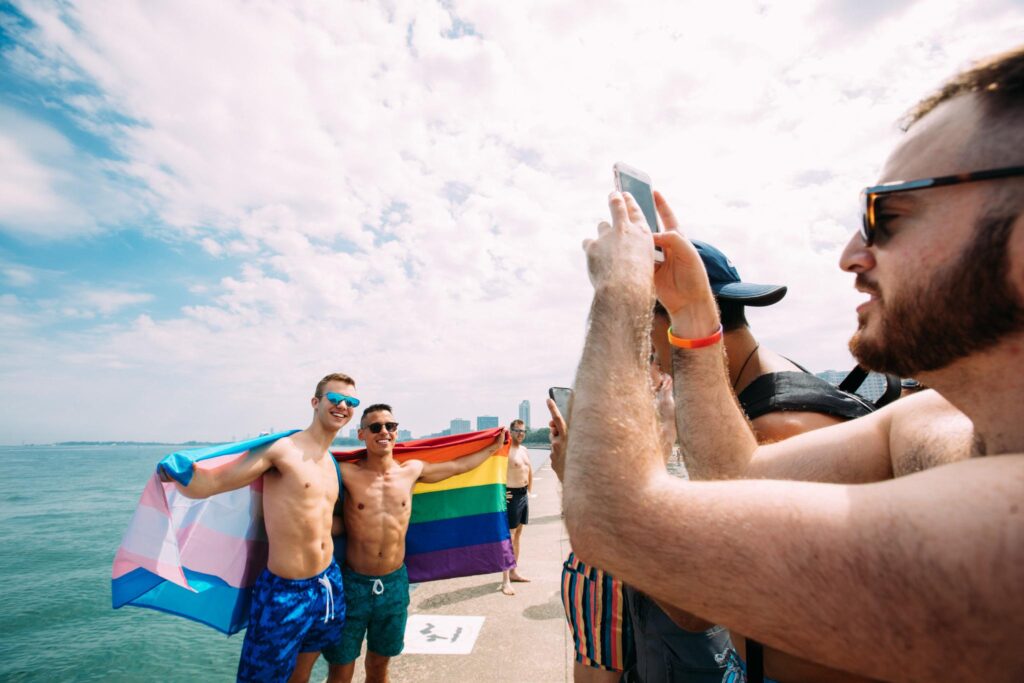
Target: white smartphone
(638, 184)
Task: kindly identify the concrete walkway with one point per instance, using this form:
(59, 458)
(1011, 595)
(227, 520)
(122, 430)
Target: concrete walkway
(524, 638)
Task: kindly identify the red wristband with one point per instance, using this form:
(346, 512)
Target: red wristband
(681, 343)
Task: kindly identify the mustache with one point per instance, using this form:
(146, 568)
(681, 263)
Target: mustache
(862, 283)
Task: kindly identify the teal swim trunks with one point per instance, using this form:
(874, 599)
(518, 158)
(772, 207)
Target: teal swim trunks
(377, 609)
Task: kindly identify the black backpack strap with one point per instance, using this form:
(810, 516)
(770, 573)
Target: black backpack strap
(755, 662)
(856, 377)
(800, 391)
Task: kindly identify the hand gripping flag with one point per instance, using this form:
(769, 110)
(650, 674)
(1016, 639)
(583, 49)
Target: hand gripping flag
(198, 558)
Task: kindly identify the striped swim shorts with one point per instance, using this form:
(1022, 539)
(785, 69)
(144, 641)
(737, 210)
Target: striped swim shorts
(596, 611)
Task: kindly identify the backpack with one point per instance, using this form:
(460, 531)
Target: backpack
(803, 391)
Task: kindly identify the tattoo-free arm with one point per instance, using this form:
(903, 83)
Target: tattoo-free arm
(234, 475)
(434, 472)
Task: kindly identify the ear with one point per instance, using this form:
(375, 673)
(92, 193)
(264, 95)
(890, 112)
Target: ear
(314, 402)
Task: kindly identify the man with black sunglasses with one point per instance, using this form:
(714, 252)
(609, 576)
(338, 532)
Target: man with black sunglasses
(887, 546)
(377, 509)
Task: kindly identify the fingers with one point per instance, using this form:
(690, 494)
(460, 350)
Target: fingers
(634, 212)
(617, 205)
(553, 409)
(668, 219)
(669, 241)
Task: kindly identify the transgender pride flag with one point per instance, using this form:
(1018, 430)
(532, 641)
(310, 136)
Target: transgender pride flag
(199, 558)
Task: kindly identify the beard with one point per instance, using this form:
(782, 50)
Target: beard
(965, 308)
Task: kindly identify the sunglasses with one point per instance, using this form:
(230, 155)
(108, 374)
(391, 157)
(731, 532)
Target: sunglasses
(870, 195)
(518, 431)
(375, 427)
(337, 399)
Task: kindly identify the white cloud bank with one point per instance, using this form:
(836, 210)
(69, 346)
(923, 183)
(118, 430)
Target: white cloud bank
(410, 185)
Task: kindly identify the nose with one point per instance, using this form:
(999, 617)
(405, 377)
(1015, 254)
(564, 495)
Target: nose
(857, 257)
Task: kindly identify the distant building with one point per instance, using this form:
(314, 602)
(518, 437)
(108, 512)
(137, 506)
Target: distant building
(460, 426)
(872, 388)
(486, 422)
(524, 412)
(353, 433)
(404, 435)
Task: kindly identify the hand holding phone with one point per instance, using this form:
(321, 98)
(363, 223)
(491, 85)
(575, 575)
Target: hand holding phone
(638, 184)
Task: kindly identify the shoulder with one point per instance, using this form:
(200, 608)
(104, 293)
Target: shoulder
(282, 448)
(412, 465)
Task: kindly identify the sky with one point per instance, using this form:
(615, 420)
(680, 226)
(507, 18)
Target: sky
(206, 207)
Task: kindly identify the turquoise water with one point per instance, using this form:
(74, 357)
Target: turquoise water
(63, 511)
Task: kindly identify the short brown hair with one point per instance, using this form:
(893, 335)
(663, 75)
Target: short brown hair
(997, 81)
(517, 422)
(333, 377)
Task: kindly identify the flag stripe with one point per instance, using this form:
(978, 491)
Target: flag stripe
(452, 533)
(464, 561)
(435, 505)
(493, 470)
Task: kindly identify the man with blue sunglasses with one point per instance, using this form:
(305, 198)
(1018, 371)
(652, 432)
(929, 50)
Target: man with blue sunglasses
(298, 602)
(889, 546)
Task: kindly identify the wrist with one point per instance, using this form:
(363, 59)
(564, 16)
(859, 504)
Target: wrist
(695, 321)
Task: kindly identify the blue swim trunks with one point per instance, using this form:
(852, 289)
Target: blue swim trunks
(289, 616)
(378, 607)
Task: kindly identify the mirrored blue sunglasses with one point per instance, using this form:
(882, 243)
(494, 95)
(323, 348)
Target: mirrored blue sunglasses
(337, 399)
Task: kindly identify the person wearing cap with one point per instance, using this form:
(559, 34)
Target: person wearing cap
(890, 546)
(671, 644)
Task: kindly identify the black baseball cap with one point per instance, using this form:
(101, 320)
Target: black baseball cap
(726, 283)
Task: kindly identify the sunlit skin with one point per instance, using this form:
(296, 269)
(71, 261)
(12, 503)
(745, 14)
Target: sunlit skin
(520, 474)
(300, 488)
(377, 508)
(868, 573)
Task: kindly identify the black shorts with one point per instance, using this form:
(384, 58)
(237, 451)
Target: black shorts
(517, 506)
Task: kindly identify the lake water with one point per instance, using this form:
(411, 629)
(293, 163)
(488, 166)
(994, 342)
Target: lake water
(63, 511)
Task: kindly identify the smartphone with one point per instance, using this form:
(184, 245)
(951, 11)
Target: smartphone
(561, 396)
(638, 184)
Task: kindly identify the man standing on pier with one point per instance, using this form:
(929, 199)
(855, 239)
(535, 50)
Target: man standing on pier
(298, 603)
(377, 509)
(519, 485)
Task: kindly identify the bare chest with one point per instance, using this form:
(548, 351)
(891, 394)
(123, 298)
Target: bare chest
(376, 495)
(302, 481)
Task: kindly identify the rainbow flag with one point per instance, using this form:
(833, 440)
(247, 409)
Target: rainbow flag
(199, 558)
(458, 526)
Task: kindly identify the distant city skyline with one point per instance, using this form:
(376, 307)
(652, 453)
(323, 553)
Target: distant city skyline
(524, 412)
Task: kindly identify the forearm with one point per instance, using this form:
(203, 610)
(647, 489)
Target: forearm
(715, 437)
(882, 564)
(614, 448)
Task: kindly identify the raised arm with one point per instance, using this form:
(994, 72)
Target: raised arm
(434, 472)
(228, 477)
(929, 559)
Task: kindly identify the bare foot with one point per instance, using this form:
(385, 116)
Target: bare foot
(518, 579)
(507, 589)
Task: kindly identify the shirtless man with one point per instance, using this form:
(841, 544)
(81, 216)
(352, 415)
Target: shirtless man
(904, 565)
(298, 604)
(376, 518)
(519, 484)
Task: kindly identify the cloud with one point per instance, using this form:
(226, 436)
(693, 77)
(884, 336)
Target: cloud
(406, 185)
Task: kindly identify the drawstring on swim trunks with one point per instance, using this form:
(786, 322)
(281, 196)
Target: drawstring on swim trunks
(378, 587)
(329, 607)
